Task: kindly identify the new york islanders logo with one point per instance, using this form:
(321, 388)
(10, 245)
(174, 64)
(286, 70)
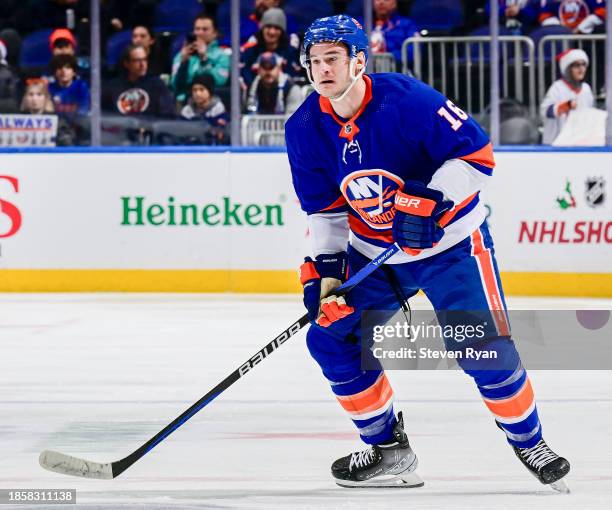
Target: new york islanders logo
(371, 194)
(572, 12)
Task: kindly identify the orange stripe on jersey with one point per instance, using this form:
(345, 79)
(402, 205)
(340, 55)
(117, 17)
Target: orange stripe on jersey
(449, 215)
(544, 16)
(348, 129)
(339, 202)
(514, 406)
(362, 229)
(368, 400)
(489, 282)
(482, 156)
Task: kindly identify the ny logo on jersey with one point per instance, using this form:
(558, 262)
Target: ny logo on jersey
(353, 149)
(371, 193)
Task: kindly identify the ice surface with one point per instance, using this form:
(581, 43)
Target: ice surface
(95, 375)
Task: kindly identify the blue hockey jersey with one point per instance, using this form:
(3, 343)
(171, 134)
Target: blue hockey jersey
(347, 171)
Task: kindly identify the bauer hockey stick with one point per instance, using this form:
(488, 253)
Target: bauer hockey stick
(69, 465)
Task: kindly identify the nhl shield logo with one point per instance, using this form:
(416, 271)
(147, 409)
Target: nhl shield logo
(595, 192)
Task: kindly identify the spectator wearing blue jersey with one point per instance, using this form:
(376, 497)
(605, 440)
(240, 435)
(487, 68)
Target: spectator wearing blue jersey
(580, 16)
(390, 29)
(69, 93)
(201, 54)
(203, 105)
(271, 37)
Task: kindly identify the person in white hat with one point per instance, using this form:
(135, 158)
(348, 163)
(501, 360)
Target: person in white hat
(568, 93)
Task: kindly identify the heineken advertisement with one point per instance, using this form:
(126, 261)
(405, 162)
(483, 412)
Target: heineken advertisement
(162, 211)
(138, 211)
(231, 221)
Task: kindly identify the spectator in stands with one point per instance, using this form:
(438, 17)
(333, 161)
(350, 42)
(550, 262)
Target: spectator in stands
(143, 36)
(36, 98)
(37, 101)
(580, 16)
(12, 42)
(203, 105)
(271, 37)
(272, 91)
(69, 93)
(570, 92)
(8, 83)
(250, 25)
(518, 16)
(128, 13)
(200, 54)
(62, 42)
(389, 29)
(137, 93)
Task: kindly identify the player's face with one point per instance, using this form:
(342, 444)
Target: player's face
(329, 65)
(578, 70)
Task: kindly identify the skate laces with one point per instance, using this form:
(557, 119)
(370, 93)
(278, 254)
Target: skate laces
(361, 459)
(538, 455)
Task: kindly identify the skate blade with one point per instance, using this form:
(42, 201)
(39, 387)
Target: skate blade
(405, 481)
(560, 486)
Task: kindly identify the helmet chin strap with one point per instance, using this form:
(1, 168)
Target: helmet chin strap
(354, 79)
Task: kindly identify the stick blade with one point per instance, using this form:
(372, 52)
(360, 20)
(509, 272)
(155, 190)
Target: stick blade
(73, 466)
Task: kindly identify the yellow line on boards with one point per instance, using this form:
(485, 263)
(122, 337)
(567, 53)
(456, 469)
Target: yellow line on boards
(259, 281)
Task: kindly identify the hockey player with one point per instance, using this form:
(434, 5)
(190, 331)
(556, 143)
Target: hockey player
(381, 159)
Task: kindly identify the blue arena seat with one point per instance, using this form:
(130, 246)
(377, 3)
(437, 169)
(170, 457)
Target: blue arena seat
(35, 50)
(539, 33)
(115, 46)
(176, 15)
(177, 44)
(437, 15)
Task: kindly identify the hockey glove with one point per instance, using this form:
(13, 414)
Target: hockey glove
(418, 209)
(319, 278)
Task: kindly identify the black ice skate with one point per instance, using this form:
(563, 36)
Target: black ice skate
(545, 465)
(388, 465)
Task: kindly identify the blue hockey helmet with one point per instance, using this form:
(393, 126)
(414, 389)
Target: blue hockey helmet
(335, 29)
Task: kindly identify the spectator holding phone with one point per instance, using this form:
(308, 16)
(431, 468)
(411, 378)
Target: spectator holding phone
(201, 54)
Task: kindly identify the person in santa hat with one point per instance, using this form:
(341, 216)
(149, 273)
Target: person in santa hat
(568, 93)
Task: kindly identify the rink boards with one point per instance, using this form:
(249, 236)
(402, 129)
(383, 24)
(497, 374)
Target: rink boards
(202, 220)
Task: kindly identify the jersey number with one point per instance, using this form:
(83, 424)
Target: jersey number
(455, 123)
